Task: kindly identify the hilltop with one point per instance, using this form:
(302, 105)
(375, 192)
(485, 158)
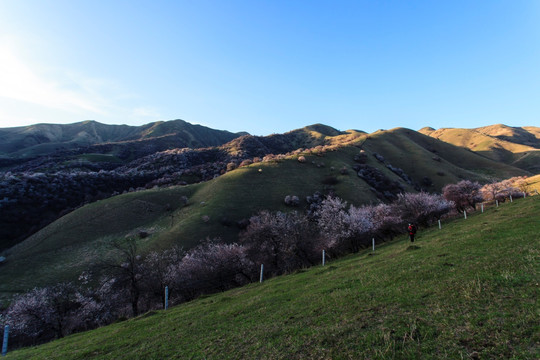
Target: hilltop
(28, 142)
(467, 291)
(516, 146)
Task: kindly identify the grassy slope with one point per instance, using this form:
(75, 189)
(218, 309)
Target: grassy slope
(468, 290)
(75, 242)
(66, 247)
(534, 183)
(414, 153)
(484, 142)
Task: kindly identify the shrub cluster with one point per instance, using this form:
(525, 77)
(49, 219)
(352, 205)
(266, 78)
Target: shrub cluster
(292, 200)
(383, 186)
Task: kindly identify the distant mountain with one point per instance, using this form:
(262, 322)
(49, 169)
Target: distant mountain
(33, 141)
(516, 146)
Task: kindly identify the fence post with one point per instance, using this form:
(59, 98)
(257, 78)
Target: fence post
(323, 257)
(373, 241)
(440, 224)
(465, 214)
(166, 297)
(524, 194)
(262, 271)
(5, 343)
(497, 202)
(482, 207)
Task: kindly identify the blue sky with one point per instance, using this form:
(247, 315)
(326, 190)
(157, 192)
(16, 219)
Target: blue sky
(271, 66)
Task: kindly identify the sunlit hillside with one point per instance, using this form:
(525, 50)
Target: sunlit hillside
(518, 147)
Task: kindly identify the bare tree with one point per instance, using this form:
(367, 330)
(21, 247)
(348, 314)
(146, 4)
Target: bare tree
(127, 267)
(157, 267)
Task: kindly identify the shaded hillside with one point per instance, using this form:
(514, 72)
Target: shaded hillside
(44, 139)
(391, 162)
(35, 193)
(466, 291)
(519, 147)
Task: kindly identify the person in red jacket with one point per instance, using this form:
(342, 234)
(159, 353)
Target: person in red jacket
(412, 231)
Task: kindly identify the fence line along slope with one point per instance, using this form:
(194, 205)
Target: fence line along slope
(469, 290)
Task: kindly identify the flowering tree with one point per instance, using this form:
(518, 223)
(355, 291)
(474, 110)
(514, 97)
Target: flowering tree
(55, 311)
(502, 190)
(465, 194)
(281, 241)
(388, 221)
(211, 266)
(422, 208)
(158, 270)
(344, 229)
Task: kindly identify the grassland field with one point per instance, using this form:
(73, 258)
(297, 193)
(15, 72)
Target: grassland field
(467, 291)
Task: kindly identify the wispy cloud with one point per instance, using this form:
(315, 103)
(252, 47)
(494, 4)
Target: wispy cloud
(23, 83)
(27, 88)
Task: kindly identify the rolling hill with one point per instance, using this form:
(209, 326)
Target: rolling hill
(408, 160)
(28, 142)
(516, 146)
(469, 290)
(38, 191)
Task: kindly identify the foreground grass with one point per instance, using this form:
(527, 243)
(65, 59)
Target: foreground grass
(469, 290)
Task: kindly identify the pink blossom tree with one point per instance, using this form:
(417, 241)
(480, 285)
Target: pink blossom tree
(56, 311)
(465, 194)
(421, 208)
(210, 267)
(281, 241)
(388, 221)
(344, 228)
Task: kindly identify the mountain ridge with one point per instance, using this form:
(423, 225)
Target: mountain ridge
(43, 139)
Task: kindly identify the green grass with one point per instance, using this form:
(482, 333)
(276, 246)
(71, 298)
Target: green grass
(77, 241)
(469, 290)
